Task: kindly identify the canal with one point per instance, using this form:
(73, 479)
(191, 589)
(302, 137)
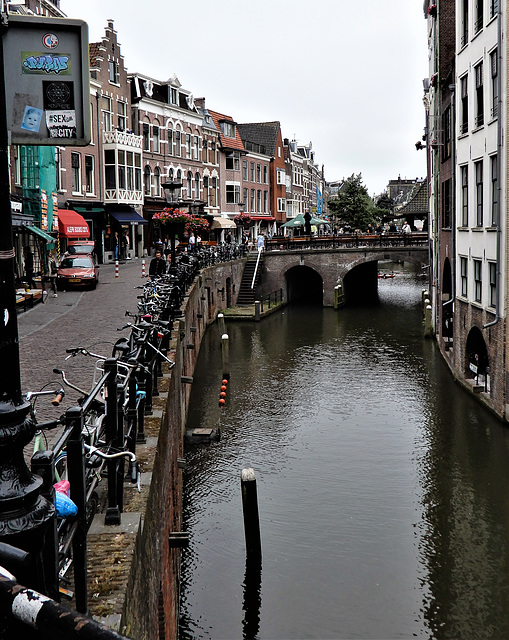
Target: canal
(383, 487)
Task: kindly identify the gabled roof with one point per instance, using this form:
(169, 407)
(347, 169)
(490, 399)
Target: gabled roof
(227, 143)
(418, 203)
(94, 52)
(261, 133)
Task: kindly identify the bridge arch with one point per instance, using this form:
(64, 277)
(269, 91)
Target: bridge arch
(477, 363)
(304, 284)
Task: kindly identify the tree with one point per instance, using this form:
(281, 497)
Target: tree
(353, 207)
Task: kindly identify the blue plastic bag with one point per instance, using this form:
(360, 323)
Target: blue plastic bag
(64, 505)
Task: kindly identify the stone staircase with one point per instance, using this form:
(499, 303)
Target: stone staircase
(246, 294)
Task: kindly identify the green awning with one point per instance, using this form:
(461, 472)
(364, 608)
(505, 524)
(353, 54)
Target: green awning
(84, 210)
(42, 234)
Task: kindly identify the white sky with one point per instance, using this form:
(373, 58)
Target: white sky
(343, 74)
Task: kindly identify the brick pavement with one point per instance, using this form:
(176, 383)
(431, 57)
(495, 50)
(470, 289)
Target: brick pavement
(75, 319)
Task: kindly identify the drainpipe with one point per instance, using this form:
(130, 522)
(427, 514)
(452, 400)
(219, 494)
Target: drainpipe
(499, 160)
(452, 88)
(101, 160)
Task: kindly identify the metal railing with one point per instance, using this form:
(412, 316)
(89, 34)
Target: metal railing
(347, 241)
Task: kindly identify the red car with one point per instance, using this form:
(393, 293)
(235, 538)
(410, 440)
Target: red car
(77, 271)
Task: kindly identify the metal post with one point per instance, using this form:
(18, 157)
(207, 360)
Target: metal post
(76, 472)
(110, 367)
(250, 510)
(225, 354)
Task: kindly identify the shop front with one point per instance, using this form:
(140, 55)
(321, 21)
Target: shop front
(124, 233)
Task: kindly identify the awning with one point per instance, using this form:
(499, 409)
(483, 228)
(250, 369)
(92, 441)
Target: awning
(267, 218)
(126, 215)
(72, 225)
(222, 223)
(298, 221)
(89, 211)
(42, 234)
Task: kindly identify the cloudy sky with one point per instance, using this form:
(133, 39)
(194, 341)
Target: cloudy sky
(345, 75)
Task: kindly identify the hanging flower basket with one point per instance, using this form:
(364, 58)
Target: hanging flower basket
(432, 10)
(197, 224)
(242, 218)
(172, 216)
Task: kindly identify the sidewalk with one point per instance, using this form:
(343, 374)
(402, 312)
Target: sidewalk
(76, 319)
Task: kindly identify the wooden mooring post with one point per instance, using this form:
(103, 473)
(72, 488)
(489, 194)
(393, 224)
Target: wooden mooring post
(250, 510)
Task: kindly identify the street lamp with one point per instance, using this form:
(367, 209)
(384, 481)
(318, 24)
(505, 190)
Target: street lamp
(170, 188)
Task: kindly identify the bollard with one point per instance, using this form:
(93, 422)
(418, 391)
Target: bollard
(257, 310)
(116, 268)
(225, 354)
(143, 268)
(222, 326)
(250, 511)
(427, 322)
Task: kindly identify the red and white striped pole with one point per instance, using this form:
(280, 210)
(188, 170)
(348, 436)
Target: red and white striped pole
(143, 268)
(116, 268)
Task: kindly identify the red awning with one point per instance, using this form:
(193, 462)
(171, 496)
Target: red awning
(268, 218)
(72, 225)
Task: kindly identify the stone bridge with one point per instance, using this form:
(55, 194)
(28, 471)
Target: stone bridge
(311, 274)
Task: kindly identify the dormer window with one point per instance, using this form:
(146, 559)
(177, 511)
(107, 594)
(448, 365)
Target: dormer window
(228, 129)
(174, 95)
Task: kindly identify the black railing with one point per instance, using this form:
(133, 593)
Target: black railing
(347, 241)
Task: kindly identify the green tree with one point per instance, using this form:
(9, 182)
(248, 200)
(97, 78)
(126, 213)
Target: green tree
(353, 207)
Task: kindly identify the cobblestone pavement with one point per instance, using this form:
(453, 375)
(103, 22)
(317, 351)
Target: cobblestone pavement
(75, 319)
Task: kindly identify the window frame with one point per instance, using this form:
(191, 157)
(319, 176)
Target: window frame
(477, 280)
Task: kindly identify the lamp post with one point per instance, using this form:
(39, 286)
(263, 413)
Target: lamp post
(170, 189)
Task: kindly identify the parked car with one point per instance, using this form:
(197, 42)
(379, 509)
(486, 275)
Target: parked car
(77, 271)
(79, 247)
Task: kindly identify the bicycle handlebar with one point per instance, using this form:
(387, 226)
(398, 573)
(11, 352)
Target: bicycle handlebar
(109, 456)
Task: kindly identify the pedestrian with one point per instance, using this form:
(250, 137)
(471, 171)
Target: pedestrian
(198, 242)
(125, 246)
(29, 266)
(406, 230)
(157, 265)
(260, 242)
(116, 247)
(192, 242)
(229, 237)
(52, 268)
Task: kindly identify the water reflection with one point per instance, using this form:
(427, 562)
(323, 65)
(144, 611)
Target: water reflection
(382, 485)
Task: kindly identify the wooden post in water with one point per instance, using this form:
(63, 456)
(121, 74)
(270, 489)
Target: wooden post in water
(250, 510)
(427, 322)
(220, 320)
(257, 310)
(225, 353)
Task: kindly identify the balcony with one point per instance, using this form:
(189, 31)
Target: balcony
(122, 138)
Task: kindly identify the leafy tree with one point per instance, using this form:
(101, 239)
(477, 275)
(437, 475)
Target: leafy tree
(353, 207)
(385, 202)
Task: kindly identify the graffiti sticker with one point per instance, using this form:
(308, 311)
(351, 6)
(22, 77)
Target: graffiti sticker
(46, 63)
(61, 124)
(31, 119)
(58, 94)
(50, 40)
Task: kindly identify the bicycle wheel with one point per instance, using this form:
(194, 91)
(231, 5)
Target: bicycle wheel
(61, 467)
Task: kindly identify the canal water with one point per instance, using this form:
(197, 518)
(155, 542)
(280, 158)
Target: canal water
(383, 487)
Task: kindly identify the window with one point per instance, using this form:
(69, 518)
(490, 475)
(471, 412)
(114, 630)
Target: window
(479, 95)
(146, 137)
(106, 111)
(252, 207)
(232, 193)
(493, 8)
(265, 201)
(228, 129)
(245, 197)
(464, 196)
(280, 176)
(244, 170)
(464, 104)
(157, 182)
(252, 171)
(281, 204)
(205, 151)
(188, 145)
(464, 277)
(446, 204)
(233, 161)
(173, 95)
(265, 174)
(493, 284)
(258, 173)
(76, 172)
(113, 71)
(464, 23)
(156, 143)
(446, 126)
(213, 193)
(213, 153)
(494, 190)
(189, 185)
(477, 280)
(169, 133)
(122, 115)
(197, 186)
(478, 24)
(178, 142)
(196, 148)
(146, 181)
(17, 163)
(259, 200)
(479, 192)
(494, 83)
(89, 174)
(109, 169)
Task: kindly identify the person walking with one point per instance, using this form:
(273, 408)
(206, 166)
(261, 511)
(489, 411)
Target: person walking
(52, 269)
(192, 242)
(260, 242)
(157, 265)
(406, 230)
